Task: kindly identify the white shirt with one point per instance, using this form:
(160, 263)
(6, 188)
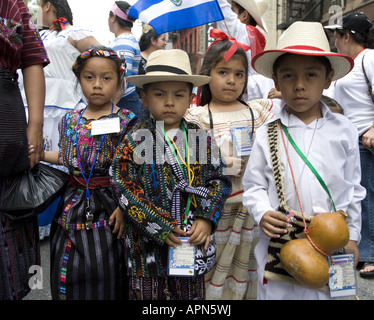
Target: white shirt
(351, 92)
(62, 89)
(333, 144)
(333, 152)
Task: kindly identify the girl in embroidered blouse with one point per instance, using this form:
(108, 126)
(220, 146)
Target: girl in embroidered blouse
(223, 109)
(86, 246)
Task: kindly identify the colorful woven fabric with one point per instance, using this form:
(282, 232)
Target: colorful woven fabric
(145, 192)
(87, 264)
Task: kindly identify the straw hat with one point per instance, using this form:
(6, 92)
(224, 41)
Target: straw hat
(168, 65)
(256, 8)
(304, 38)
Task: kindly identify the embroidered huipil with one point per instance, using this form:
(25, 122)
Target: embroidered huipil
(87, 262)
(20, 42)
(145, 191)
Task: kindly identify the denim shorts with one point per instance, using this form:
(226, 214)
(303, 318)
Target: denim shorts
(130, 102)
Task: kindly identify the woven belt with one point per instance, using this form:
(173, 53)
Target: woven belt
(95, 183)
(82, 226)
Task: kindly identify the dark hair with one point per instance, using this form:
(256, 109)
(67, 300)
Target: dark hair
(252, 21)
(85, 56)
(212, 57)
(145, 39)
(365, 40)
(321, 59)
(370, 39)
(146, 86)
(125, 7)
(333, 105)
(62, 10)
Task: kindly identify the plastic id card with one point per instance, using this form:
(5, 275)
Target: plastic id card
(342, 281)
(111, 125)
(182, 259)
(242, 140)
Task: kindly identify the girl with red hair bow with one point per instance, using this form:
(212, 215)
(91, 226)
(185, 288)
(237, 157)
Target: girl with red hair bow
(232, 123)
(244, 22)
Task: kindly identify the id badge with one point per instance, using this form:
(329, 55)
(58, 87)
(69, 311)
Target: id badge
(182, 259)
(342, 281)
(242, 140)
(106, 126)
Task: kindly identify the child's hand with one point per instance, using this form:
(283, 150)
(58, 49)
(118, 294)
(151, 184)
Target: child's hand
(352, 247)
(274, 94)
(31, 150)
(173, 240)
(234, 166)
(117, 218)
(200, 232)
(274, 224)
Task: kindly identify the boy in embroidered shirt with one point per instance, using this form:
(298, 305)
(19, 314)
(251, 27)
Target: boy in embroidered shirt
(155, 189)
(302, 67)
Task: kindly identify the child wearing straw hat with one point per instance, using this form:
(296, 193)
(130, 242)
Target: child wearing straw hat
(302, 66)
(169, 182)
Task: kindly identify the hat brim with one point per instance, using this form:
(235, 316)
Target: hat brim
(264, 61)
(140, 80)
(253, 9)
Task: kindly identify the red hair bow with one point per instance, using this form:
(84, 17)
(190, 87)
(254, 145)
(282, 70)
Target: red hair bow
(60, 21)
(220, 35)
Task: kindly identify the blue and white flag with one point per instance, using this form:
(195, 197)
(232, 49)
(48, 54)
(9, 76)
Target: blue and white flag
(171, 15)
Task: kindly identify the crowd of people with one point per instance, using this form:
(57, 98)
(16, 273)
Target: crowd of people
(164, 201)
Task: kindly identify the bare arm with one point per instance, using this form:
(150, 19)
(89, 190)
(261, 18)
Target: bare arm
(83, 44)
(50, 157)
(34, 84)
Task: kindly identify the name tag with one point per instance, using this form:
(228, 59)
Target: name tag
(182, 259)
(342, 281)
(111, 125)
(242, 140)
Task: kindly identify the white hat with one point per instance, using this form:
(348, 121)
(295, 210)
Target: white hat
(256, 8)
(168, 65)
(304, 38)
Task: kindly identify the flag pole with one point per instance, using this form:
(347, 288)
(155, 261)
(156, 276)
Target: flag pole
(227, 28)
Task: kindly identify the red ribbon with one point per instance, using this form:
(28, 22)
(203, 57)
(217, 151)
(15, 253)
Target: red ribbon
(220, 35)
(62, 21)
(256, 39)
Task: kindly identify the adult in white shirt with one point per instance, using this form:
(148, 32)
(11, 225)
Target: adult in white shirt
(352, 93)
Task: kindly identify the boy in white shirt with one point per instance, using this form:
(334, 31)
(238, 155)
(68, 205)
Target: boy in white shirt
(302, 67)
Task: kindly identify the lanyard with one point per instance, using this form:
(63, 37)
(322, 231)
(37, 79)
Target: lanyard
(242, 102)
(174, 149)
(315, 172)
(88, 210)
